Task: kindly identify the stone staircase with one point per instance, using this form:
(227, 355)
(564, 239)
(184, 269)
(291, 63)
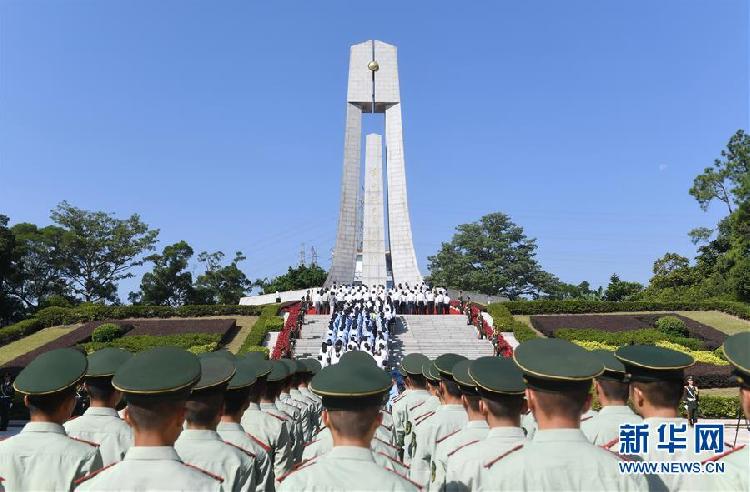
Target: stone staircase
(429, 335)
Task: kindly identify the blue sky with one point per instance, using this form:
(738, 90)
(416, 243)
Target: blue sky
(221, 123)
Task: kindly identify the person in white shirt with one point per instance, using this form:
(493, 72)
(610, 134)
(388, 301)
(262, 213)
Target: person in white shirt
(410, 303)
(430, 299)
(446, 304)
(439, 303)
(421, 302)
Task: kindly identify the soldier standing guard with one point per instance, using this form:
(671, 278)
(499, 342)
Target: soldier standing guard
(41, 456)
(6, 401)
(691, 401)
(156, 384)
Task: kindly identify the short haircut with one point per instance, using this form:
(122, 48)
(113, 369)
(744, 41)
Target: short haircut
(568, 403)
(353, 424)
(504, 406)
(235, 400)
(417, 380)
(203, 408)
(452, 388)
(153, 413)
(49, 403)
(273, 388)
(473, 401)
(99, 388)
(661, 394)
(614, 390)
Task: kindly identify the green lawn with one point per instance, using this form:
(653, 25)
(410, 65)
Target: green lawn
(720, 391)
(527, 320)
(33, 341)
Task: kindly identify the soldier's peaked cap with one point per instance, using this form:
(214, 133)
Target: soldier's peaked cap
(105, 362)
(52, 372)
(216, 372)
(245, 375)
(446, 362)
(358, 356)
(497, 375)
(430, 372)
(313, 366)
(350, 385)
(553, 364)
(158, 371)
(614, 369)
(648, 363)
(412, 363)
(737, 352)
(279, 371)
(291, 366)
(262, 366)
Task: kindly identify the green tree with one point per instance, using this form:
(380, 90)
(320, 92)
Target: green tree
(492, 256)
(296, 278)
(728, 180)
(619, 290)
(221, 284)
(672, 270)
(168, 284)
(10, 307)
(100, 249)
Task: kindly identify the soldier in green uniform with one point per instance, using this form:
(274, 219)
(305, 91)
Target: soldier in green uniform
(558, 376)
(296, 398)
(41, 456)
(410, 400)
(156, 384)
(236, 401)
(353, 393)
(656, 378)
(301, 392)
(612, 389)
(281, 390)
(199, 444)
(475, 429)
(447, 418)
(267, 427)
(100, 423)
(501, 388)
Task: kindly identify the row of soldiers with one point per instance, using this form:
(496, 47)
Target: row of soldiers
(220, 422)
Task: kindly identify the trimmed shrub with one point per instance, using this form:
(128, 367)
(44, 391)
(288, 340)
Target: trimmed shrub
(589, 345)
(503, 321)
(716, 407)
(257, 348)
(19, 330)
(523, 332)
(138, 343)
(107, 332)
(672, 325)
(202, 349)
(268, 321)
(648, 337)
(55, 315)
(739, 309)
(704, 356)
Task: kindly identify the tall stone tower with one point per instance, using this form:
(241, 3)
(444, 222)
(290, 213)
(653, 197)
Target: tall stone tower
(373, 88)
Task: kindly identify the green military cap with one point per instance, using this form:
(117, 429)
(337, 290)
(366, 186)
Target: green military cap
(256, 355)
(412, 363)
(279, 371)
(158, 371)
(650, 363)
(105, 362)
(461, 376)
(430, 372)
(52, 372)
(245, 375)
(216, 372)
(495, 376)
(351, 385)
(291, 366)
(737, 352)
(302, 367)
(614, 370)
(313, 366)
(445, 363)
(220, 353)
(358, 356)
(553, 364)
(401, 370)
(262, 366)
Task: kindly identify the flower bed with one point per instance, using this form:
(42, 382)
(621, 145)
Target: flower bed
(502, 347)
(739, 309)
(195, 342)
(283, 346)
(549, 325)
(176, 327)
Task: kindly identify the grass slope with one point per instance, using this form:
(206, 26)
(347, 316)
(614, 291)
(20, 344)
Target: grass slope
(245, 323)
(33, 341)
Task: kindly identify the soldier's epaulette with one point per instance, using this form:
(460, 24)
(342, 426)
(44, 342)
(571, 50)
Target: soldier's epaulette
(489, 464)
(249, 453)
(618, 455)
(462, 446)
(92, 474)
(611, 443)
(311, 442)
(386, 427)
(424, 417)
(263, 445)
(415, 406)
(419, 487)
(297, 468)
(205, 472)
(283, 419)
(725, 453)
(395, 460)
(584, 419)
(90, 443)
(399, 397)
(446, 436)
(385, 442)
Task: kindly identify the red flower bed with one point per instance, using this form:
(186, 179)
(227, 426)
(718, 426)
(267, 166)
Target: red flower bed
(502, 348)
(283, 346)
(549, 324)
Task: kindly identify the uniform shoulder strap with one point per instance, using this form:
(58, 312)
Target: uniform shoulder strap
(611, 443)
(447, 436)
(462, 446)
(205, 472)
(490, 463)
(265, 446)
(385, 442)
(415, 406)
(297, 468)
(311, 442)
(395, 460)
(249, 453)
(584, 419)
(93, 473)
(725, 453)
(424, 417)
(90, 443)
(419, 487)
(283, 419)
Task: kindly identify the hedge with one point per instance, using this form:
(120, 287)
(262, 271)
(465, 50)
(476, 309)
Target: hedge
(207, 342)
(268, 321)
(647, 336)
(739, 309)
(107, 332)
(716, 407)
(57, 315)
(503, 320)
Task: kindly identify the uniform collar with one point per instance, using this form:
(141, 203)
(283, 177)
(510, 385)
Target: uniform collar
(43, 427)
(101, 412)
(267, 405)
(253, 406)
(615, 410)
(656, 420)
(477, 424)
(453, 408)
(556, 435)
(151, 453)
(350, 453)
(506, 432)
(199, 435)
(229, 426)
